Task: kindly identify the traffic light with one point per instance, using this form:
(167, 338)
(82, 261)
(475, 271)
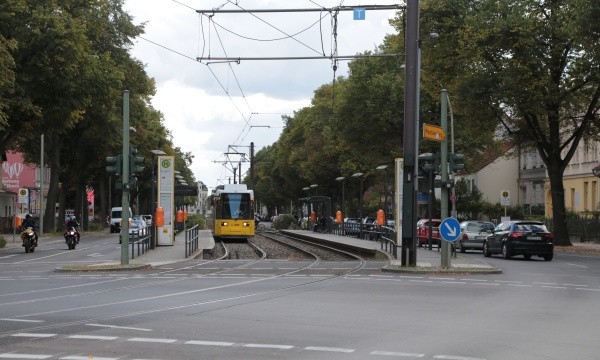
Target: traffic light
(114, 164)
(430, 162)
(136, 163)
(456, 162)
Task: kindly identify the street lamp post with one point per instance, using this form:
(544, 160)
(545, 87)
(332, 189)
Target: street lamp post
(343, 181)
(385, 187)
(314, 186)
(360, 205)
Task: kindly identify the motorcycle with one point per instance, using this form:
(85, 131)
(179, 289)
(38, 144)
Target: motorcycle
(30, 239)
(71, 237)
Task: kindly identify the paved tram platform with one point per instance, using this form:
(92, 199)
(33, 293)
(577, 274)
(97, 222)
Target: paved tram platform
(427, 260)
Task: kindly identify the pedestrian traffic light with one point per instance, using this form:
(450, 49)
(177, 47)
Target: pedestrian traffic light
(430, 162)
(456, 162)
(114, 164)
(136, 163)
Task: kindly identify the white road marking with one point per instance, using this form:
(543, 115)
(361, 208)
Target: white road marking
(79, 357)
(153, 340)
(24, 356)
(553, 287)
(269, 346)
(450, 357)
(330, 349)
(92, 337)
(577, 265)
(23, 320)
(209, 343)
(95, 255)
(119, 327)
(397, 354)
(34, 335)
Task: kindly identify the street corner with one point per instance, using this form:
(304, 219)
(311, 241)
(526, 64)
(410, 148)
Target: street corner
(427, 268)
(103, 267)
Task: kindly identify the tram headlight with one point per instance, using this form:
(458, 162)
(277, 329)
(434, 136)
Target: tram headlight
(246, 223)
(224, 223)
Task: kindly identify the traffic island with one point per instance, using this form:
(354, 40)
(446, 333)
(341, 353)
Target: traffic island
(103, 267)
(458, 269)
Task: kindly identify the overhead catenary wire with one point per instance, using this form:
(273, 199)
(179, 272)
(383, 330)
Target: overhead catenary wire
(207, 36)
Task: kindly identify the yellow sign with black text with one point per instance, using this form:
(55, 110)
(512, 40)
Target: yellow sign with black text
(433, 132)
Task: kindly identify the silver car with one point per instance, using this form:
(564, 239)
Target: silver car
(472, 234)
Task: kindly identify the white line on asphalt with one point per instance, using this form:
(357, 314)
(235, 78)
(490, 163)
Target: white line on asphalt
(475, 280)
(574, 285)
(153, 340)
(422, 281)
(453, 282)
(23, 320)
(398, 354)
(519, 285)
(92, 337)
(331, 349)
(508, 282)
(24, 356)
(554, 287)
(581, 266)
(79, 357)
(493, 284)
(209, 343)
(118, 327)
(450, 357)
(33, 335)
(543, 283)
(269, 346)
(587, 289)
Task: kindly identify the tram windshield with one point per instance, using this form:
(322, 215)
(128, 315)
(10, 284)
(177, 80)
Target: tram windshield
(236, 206)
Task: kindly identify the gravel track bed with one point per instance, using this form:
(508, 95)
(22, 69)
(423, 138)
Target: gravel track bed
(322, 253)
(275, 250)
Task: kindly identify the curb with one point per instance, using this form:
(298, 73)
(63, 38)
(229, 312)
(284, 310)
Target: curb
(463, 270)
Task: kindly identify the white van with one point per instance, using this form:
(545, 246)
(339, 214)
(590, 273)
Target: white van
(115, 219)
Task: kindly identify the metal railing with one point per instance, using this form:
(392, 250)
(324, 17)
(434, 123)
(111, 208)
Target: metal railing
(385, 235)
(191, 240)
(140, 241)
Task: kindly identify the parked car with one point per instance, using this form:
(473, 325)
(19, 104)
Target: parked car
(352, 226)
(473, 234)
(423, 232)
(148, 219)
(520, 237)
(138, 227)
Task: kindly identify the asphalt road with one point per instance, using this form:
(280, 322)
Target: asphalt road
(238, 309)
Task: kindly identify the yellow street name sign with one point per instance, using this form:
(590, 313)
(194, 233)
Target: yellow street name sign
(433, 132)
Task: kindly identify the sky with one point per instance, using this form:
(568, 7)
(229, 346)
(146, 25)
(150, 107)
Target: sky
(215, 108)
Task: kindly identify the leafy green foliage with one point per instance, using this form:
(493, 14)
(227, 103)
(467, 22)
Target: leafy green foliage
(285, 221)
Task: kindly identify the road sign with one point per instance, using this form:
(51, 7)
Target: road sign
(359, 13)
(450, 229)
(433, 132)
(505, 198)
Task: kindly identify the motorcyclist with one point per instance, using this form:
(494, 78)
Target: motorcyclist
(29, 222)
(75, 225)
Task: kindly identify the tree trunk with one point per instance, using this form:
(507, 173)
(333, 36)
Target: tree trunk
(559, 213)
(49, 216)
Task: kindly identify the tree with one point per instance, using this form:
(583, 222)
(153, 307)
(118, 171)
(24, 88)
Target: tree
(529, 65)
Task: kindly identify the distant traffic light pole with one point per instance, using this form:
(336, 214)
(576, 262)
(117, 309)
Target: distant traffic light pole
(125, 215)
(445, 260)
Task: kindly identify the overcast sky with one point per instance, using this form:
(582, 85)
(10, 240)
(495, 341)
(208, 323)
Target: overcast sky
(214, 107)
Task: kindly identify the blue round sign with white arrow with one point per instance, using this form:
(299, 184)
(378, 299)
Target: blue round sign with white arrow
(450, 229)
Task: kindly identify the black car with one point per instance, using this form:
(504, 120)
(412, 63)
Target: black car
(520, 237)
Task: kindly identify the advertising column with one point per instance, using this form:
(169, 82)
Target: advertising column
(166, 192)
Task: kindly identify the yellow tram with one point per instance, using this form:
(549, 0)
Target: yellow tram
(233, 212)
